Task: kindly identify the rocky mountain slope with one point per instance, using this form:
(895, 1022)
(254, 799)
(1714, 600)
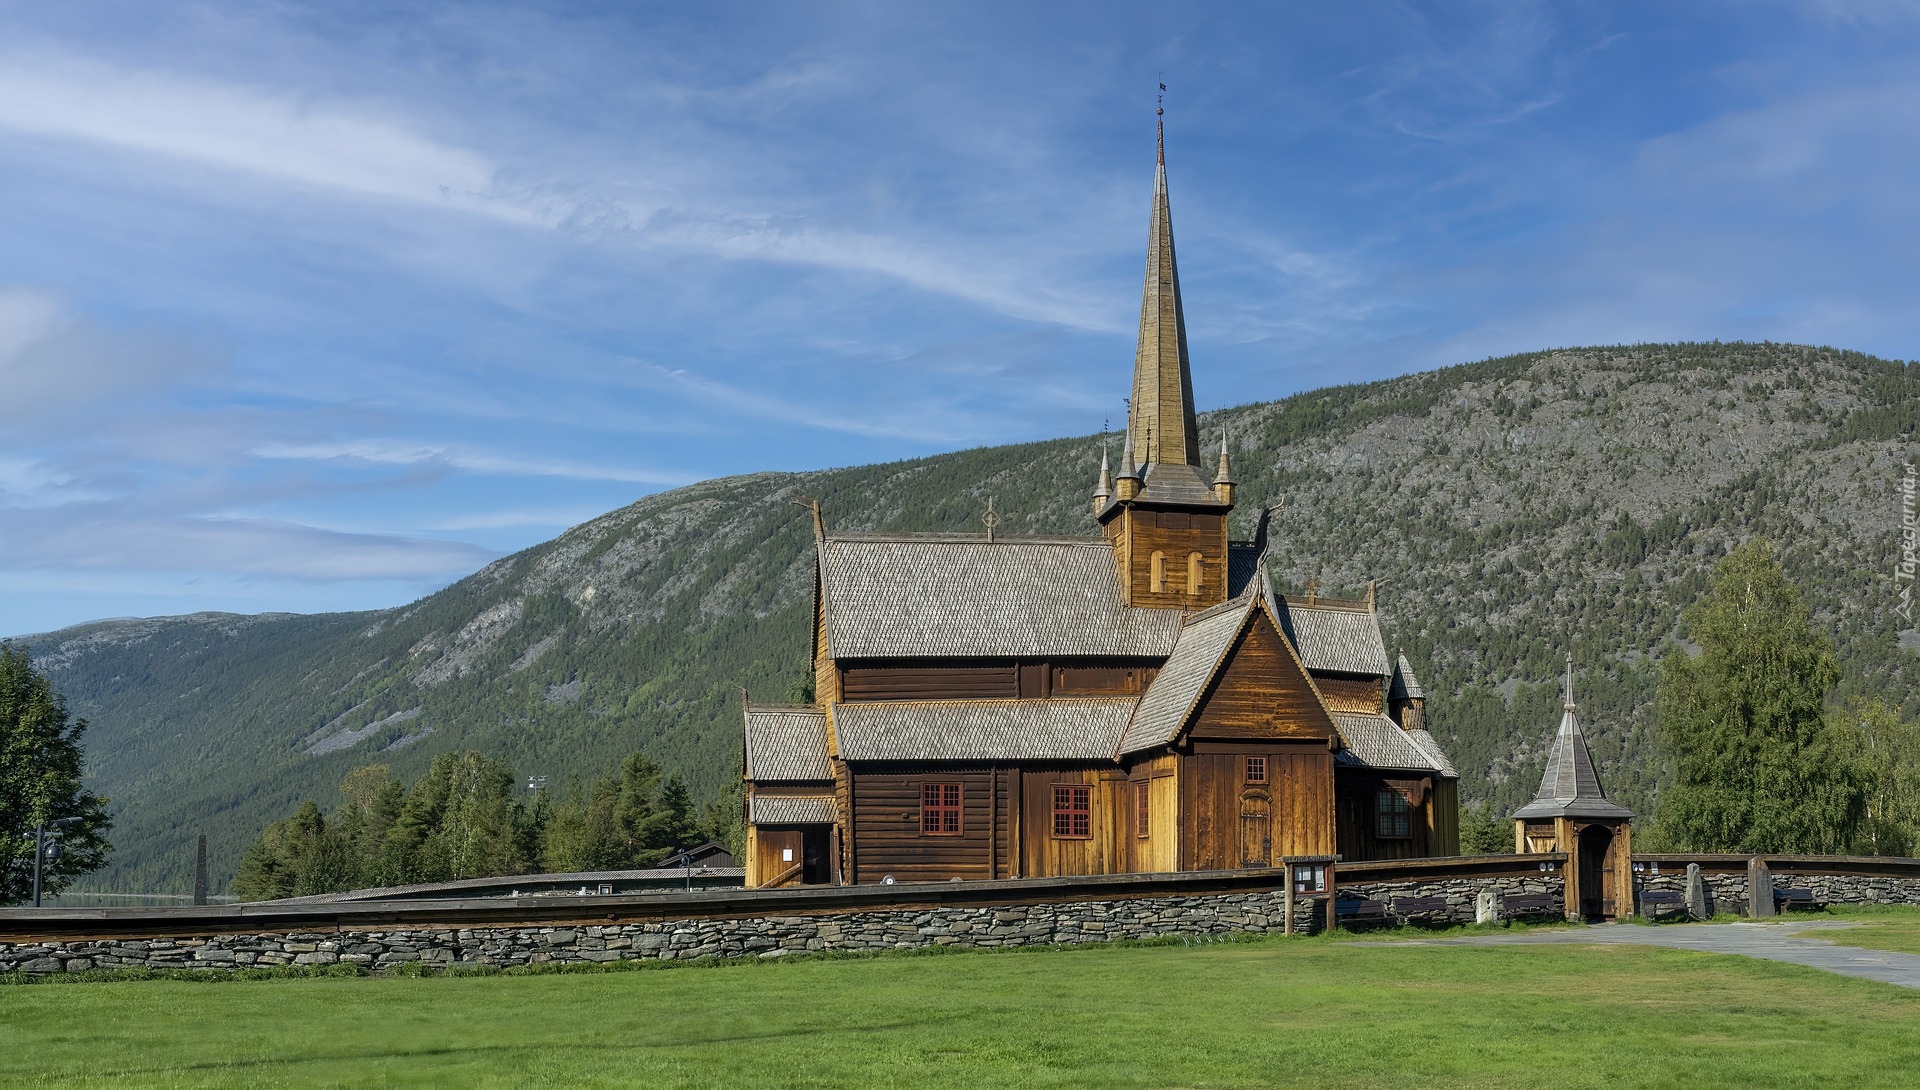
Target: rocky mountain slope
(1513, 508)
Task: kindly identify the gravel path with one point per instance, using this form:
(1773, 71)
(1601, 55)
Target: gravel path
(1784, 941)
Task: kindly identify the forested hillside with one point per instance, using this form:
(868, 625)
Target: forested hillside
(1513, 508)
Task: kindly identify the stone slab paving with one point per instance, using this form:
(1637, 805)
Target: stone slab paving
(1785, 941)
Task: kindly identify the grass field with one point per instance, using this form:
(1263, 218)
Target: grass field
(1280, 1011)
(1882, 927)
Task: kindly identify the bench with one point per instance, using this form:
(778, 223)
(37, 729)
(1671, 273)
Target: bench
(1659, 904)
(1787, 899)
(1516, 906)
(1427, 910)
(1351, 911)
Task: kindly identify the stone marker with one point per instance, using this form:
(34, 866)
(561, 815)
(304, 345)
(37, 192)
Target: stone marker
(1696, 893)
(1486, 907)
(1759, 890)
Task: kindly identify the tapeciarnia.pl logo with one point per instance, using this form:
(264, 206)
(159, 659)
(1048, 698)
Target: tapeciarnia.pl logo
(1903, 569)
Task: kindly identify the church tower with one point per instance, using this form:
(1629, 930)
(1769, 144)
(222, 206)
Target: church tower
(1166, 520)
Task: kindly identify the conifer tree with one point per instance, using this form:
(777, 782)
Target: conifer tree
(1753, 763)
(40, 761)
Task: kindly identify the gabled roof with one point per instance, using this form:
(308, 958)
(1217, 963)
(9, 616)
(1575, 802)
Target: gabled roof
(1342, 639)
(908, 596)
(1058, 729)
(1170, 699)
(1569, 786)
(1431, 746)
(787, 744)
(792, 810)
(1373, 741)
(1405, 686)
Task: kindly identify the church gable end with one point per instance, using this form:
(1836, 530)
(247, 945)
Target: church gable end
(1261, 692)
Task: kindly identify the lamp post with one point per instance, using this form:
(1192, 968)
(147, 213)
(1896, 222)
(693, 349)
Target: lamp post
(40, 848)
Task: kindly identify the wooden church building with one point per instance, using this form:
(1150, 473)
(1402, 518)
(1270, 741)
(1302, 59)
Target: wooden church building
(1140, 700)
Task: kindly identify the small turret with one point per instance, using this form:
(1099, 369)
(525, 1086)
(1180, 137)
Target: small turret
(1127, 485)
(1103, 492)
(1223, 480)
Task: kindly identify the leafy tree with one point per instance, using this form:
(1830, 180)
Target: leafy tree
(1483, 832)
(460, 820)
(1755, 766)
(40, 760)
(1886, 749)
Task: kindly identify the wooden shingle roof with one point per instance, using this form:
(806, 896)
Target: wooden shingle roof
(1569, 786)
(1374, 741)
(1337, 639)
(902, 596)
(1059, 729)
(787, 744)
(792, 810)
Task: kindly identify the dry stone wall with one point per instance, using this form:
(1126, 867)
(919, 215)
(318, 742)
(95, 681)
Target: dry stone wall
(763, 937)
(1459, 893)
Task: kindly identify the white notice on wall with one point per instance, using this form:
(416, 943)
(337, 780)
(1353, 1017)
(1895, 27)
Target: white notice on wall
(786, 855)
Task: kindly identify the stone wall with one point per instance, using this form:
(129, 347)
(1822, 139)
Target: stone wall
(1459, 893)
(1726, 893)
(764, 937)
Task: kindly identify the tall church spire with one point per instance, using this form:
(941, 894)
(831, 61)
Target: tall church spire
(1162, 425)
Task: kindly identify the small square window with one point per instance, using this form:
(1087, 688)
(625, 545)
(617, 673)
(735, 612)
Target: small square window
(939, 809)
(1256, 770)
(1072, 812)
(1393, 817)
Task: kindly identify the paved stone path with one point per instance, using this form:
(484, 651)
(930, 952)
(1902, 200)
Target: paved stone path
(1772, 941)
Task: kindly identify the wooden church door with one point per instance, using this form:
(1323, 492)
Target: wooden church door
(1256, 837)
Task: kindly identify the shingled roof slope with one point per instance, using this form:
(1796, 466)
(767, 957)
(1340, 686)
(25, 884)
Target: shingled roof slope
(899, 596)
(1060, 729)
(1374, 741)
(1338, 639)
(1170, 698)
(787, 744)
(1405, 685)
(1569, 787)
(792, 810)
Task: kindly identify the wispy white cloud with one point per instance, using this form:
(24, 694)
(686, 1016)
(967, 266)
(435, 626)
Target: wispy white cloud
(392, 452)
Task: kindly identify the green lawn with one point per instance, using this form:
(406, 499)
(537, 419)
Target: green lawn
(1300, 1011)
(1882, 927)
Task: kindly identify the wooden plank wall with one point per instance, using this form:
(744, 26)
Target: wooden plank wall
(1139, 533)
(1262, 693)
(886, 825)
(1042, 854)
(1159, 850)
(1218, 805)
(1358, 839)
(986, 679)
(930, 680)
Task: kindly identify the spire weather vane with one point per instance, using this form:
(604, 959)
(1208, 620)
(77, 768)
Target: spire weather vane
(1160, 102)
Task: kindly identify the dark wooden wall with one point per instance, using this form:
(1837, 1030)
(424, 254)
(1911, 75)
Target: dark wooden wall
(886, 825)
(1434, 824)
(986, 679)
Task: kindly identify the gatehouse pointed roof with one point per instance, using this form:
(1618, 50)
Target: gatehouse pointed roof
(1570, 787)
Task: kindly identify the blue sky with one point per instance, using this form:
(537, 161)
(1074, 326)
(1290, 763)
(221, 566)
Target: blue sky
(321, 307)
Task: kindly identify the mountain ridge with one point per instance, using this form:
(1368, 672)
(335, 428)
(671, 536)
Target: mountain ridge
(1514, 507)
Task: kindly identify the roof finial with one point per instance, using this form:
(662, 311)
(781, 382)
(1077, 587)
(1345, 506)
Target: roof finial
(1160, 126)
(991, 518)
(1225, 476)
(1104, 490)
(1569, 679)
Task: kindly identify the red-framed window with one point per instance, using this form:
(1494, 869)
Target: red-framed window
(1392, 816)
(1256, 770)
(1142, 807)
(939, 809)
(1072, 811)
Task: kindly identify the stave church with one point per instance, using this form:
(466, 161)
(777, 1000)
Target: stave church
(1140, 699)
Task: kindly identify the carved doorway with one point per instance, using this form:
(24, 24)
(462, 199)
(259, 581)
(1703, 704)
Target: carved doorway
(1256, 835)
